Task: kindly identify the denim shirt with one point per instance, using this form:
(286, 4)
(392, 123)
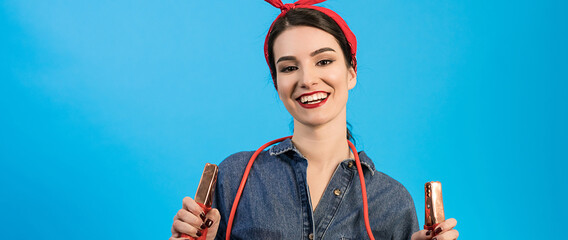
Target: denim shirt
(276, 202)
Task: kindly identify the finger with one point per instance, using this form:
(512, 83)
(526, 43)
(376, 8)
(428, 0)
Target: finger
(185, 228)
(422, 235)
(212, 222)
(191, 219)
(190, 205)
(174, 232)
(445, 226)
(448, 235)
(214, 216)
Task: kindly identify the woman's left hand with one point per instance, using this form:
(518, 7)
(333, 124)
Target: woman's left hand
(444, 231)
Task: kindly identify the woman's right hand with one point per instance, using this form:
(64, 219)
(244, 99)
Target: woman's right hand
(191, 220)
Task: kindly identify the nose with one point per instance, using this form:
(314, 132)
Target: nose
(308, 78)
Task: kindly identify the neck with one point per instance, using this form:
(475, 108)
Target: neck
(325, 146)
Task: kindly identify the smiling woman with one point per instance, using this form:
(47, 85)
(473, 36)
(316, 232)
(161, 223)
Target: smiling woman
(313, 82)
(318, 20)
(306, 187)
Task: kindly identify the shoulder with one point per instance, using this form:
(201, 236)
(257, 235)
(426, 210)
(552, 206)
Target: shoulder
(383, 185)
(236, 159)
(241, 159)
(230, 172)
(235, 164)
(393, 200)
(391, 188)
(385, 190)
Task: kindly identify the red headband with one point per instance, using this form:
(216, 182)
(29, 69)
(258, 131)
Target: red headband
(308, 4)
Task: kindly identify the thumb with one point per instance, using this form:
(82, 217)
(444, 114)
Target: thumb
(214, 216)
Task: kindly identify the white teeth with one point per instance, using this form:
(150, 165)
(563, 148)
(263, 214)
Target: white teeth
(314, 98)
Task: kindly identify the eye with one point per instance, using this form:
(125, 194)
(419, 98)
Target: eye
(288, 69)
(324, 62)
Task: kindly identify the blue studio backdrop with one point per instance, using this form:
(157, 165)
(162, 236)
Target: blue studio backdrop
(110, 109)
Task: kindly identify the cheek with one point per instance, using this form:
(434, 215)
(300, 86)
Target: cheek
(337, 79)
(285, 88)
(283, 94)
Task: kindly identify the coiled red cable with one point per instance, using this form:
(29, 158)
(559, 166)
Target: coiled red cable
(249, 166)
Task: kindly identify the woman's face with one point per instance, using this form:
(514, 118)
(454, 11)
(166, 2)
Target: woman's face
(312, 76)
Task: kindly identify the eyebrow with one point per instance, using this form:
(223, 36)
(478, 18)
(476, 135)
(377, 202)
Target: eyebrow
(316, 52)
(286, 58)
(325, 49)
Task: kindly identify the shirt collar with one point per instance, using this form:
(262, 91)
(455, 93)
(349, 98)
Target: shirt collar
(287, 145)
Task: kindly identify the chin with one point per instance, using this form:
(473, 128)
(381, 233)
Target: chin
(313, 121)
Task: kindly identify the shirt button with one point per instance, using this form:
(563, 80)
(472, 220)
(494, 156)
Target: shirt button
(337, 192)
(350, 164)
(311, 236)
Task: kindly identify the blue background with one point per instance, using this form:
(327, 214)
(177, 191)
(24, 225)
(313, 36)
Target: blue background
(110, 109)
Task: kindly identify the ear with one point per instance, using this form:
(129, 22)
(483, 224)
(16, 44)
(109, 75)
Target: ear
(352, 78)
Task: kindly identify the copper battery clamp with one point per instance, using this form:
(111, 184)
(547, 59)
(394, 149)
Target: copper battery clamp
(434, 209)
(204, 194)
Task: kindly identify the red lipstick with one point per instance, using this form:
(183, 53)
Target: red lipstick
(312, 105)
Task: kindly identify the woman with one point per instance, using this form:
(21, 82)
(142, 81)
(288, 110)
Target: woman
(307, 187)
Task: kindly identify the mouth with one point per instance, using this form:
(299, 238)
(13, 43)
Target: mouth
(312, 99)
